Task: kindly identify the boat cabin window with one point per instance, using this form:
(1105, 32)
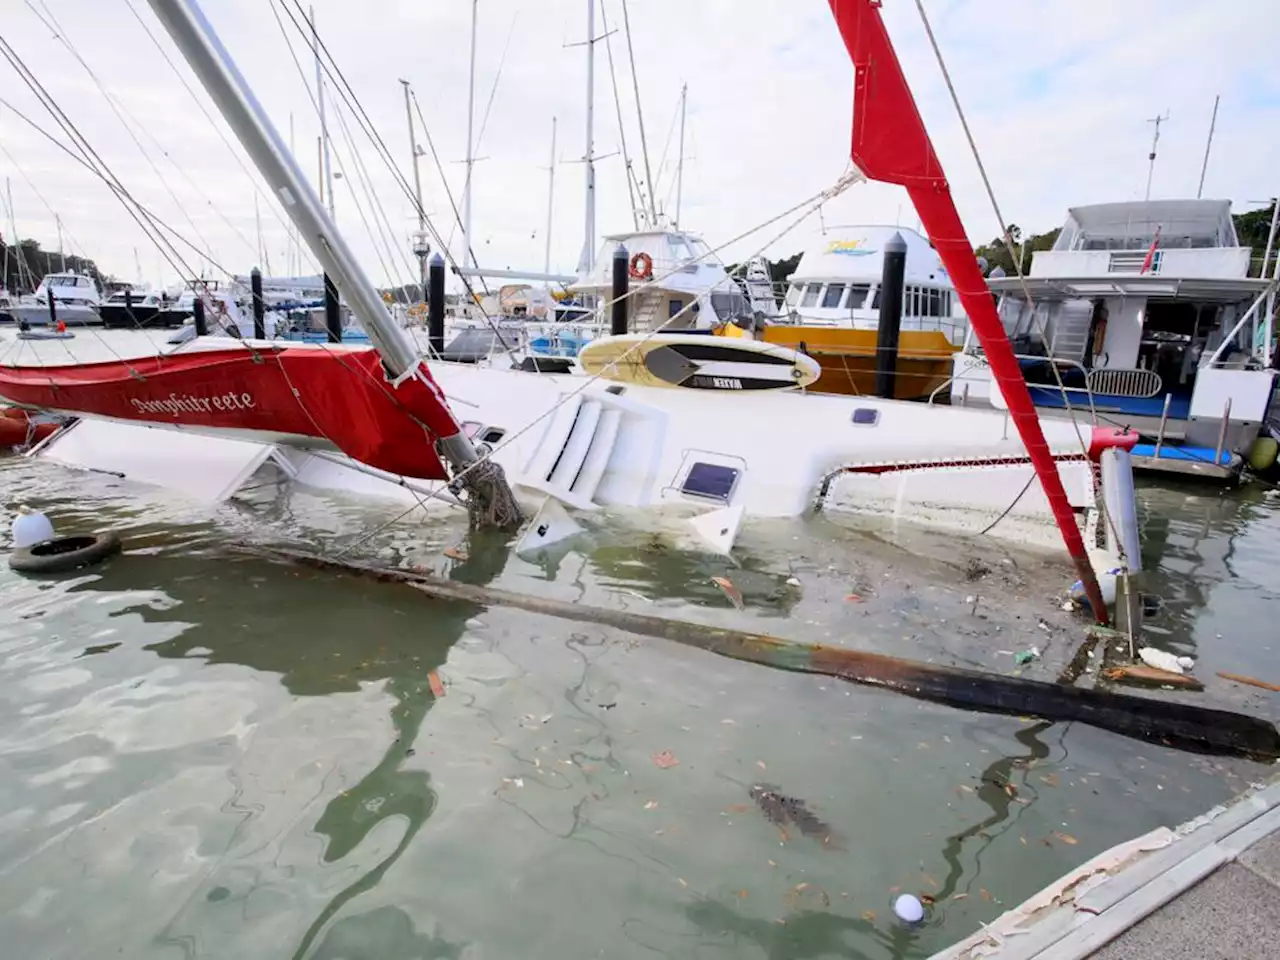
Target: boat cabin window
(793, 295)
(729, 305)
(710, 480)
(674, 306)
(866, 416)
(858, 295)
(835, 293)
(810, 295)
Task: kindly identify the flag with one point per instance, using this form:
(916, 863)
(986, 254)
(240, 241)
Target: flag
(1149, 260)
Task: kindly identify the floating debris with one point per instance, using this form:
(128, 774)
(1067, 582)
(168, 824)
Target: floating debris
(437, 687)
(730, 591)
(780, 810)
(665, 759)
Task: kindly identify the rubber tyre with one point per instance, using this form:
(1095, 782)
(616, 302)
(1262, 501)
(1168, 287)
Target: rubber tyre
(64, 553)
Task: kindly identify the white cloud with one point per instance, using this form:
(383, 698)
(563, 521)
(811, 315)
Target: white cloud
(1056, 92)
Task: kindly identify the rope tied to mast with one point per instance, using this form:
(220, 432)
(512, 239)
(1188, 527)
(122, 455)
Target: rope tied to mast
(489, 500)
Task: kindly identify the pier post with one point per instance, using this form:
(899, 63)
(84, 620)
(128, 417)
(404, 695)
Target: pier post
(621, 278)
(259, 307)
(197, 316)
(435, 305)
(128, 306)
(53, 308)
(332, 311)
(891, 279)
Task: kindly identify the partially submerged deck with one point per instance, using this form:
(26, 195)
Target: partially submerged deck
(1209, 889)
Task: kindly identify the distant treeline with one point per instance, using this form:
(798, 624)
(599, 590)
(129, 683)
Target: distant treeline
(24, 264)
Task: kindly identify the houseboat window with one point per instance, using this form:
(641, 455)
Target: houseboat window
(674, 306)
(680, 250)
(911, 306)
(793, 295)
(857, 295)
(811, 294)
(935, 303)
(875, 299)
(835, 293)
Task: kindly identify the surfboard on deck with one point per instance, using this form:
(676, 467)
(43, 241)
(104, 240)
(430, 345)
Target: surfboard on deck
(697, 362)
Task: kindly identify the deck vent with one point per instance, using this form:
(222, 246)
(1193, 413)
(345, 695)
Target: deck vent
(711, 481)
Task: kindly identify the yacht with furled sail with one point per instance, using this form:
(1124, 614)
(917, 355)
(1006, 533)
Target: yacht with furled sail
(382, 421)
(832, 307)
(1144, 313)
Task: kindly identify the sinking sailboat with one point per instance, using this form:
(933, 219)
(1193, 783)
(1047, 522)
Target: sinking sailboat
(584, 442)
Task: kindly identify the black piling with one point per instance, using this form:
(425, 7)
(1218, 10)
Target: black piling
(128, 307)
(435, 305)
(621, 277)
(53, 309)
(891, 279)
(197, 316)
(332, 311)
(259, 305)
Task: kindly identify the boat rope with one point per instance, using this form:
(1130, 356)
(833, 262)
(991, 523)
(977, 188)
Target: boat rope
(216, 127)
(1017, 264)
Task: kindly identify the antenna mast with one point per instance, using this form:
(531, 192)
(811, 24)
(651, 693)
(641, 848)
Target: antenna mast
(1213, 122)
(1151, 160)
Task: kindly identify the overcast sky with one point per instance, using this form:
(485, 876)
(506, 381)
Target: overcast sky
(1058, 93)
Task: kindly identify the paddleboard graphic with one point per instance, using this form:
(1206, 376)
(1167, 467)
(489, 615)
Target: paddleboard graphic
(698, 362)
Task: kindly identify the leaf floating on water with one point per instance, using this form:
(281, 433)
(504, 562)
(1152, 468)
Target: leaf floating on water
(737, 808)
(682, 881)
(665, 759)
(651, 805)
(760, 764)
(960, 896)
(730, 591)
(927, 900)
(986, 894)
(437, 688)
(455, 553)
(869, 916)
(1010, 789)
(1066, 838)
(854, 598)
(1051, 779)
(742, 894)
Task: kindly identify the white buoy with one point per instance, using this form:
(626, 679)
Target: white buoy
(908, 908)
(30, 527)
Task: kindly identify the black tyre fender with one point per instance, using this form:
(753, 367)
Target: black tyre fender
(64, 553)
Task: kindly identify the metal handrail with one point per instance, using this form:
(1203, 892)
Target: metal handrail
(1093, 411)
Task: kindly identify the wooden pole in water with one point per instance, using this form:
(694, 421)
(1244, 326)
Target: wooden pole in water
(332, 311)
(197, 317)
(1170, 723)
(435, 305)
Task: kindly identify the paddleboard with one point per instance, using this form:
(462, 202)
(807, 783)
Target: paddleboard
(697, 362)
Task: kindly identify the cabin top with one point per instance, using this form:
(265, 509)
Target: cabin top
(1183, 224)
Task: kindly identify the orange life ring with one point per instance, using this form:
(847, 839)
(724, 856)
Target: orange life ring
(641, 267)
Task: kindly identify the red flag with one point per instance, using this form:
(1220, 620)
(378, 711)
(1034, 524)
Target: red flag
(1149, 260)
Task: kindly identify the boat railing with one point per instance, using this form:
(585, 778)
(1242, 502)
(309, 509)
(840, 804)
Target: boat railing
(1086, 389)
(1245, 318)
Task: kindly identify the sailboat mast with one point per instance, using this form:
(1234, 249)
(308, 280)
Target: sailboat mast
(684, 96)
(13, 238)
(551, 199)
(470, 161)
(1208, 145)
(212, 64)
(326, 163)
(62, 257)
(588, 260)
(644, 142)
(420, 248)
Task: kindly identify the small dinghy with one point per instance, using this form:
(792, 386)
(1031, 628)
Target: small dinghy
(46, 335)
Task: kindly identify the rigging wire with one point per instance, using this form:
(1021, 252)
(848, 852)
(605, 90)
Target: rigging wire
(214, 125)
(1017, 266)
(630, 173)
(360, 115)
(635, 82)
(56, 28)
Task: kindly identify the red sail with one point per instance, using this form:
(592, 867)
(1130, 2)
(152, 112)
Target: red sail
(890, 144)
(339, 396)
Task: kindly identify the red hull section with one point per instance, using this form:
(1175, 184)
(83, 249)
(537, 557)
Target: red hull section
(890, 144)
(342, 397)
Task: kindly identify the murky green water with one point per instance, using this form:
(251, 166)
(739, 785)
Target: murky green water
(204, 754)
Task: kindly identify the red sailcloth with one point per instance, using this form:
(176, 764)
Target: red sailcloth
(339, 396)
(890, 144)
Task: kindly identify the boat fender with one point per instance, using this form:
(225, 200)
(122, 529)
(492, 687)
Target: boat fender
(64, 554)
(30, 527)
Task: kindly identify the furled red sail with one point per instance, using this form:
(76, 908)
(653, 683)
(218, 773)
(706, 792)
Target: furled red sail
(339, 396)
(890, 144)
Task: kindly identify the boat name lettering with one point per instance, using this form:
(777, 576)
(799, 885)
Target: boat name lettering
(186, 403)
(719, 383)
